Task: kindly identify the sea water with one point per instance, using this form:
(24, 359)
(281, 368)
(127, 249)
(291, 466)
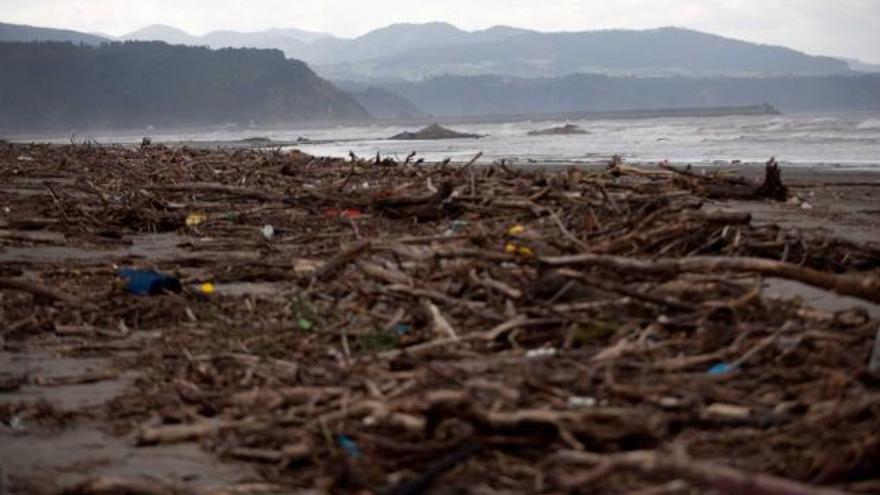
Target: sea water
(850, 140)
(825, 140)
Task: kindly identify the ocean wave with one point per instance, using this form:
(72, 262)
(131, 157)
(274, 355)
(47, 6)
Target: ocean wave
(800, 138)
(868, 124)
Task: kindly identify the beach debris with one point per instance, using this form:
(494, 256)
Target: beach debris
(349, 446)
(16, 423)
(196, 219)
(11, 383)
(543, 352)
(207, 288)
(343, 213)
(148, 282)
(39, 291)
(457, 226)
(721, 369)
(402, 329)
(720, 187)
(268, 232)
(579, 402)
(727, 411)
(433, 132)
(874, 363)
(582, 363)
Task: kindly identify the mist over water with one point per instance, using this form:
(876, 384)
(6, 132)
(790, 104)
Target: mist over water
(822, 140)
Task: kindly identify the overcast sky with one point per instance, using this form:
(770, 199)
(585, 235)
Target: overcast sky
(827, 27)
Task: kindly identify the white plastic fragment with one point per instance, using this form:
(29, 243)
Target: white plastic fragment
(268, 232)
(576, 402)
(541, 353)
(806, 206)
(16, 423)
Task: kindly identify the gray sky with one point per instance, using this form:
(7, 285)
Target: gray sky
(827, 27)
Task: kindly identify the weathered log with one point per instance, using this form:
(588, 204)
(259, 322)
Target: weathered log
(37, 290)
(865, 287)
(724, 479)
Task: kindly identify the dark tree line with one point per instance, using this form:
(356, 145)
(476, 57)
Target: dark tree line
(136, 84)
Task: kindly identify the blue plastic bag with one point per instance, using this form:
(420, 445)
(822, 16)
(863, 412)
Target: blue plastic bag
(148, 282)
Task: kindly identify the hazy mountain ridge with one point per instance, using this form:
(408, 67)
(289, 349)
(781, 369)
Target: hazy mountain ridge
(415, 51)
(381, 103)
(136, 84)
(449, 96)
(420, 51)
(859, 66)
(289, 40)
(24, 33)
(665, 51)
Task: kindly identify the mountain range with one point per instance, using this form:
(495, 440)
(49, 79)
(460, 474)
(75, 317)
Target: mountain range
(18, 32)
(412, 71)
(49, 86)
(471, 96)
(422, 51)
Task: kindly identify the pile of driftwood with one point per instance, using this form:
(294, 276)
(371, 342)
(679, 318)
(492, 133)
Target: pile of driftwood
(454, 328)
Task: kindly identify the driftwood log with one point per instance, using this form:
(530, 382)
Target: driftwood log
(737, 188)
(865, 286)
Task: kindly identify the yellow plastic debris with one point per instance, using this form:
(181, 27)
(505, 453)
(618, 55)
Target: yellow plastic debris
(194, 219)
(516, 230)
(512, 248)
(207, 288)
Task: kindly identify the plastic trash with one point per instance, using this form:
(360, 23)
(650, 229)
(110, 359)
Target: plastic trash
(516, 230)
(455, 227)
(346, 213)
(16, 423)
(349, 446)
(195, 219)
(402, 329)
(576, 402)
(458, 225)
(541, 353)
(268, 232)
(207, 288)
(148, 282)
(512, 248)
(304, 324)
(874, 363)
(721, 369)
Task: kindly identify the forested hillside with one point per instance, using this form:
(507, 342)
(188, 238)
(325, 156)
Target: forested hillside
(136, 84)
